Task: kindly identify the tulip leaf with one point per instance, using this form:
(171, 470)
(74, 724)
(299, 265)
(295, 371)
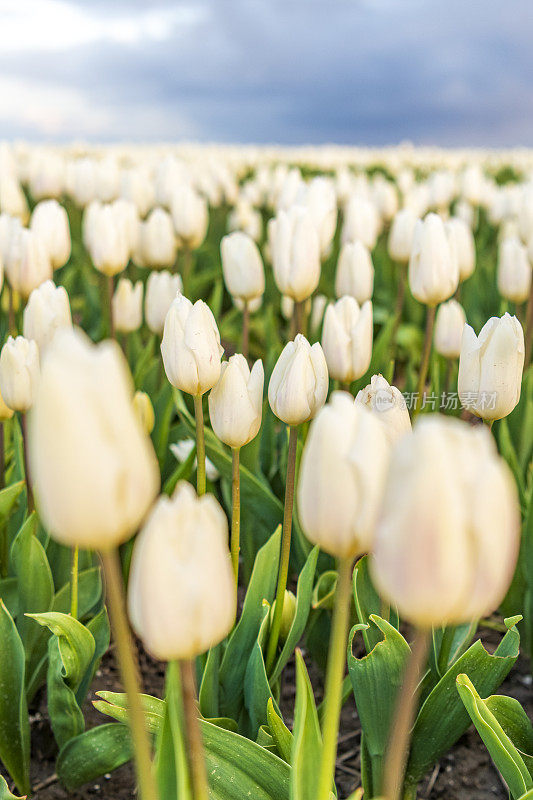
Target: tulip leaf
(89, 593)
(324, 591)
(241, 641)
(443, 719)
(376, 680)
(9, 594)
(367, 602)
(257, 690)
(304, 594)
(98, 626)
(115, 705)
(5, 794)
(172, 764)
(281, 735)
(93, 753)
(516, 724)
(502, 750)
(76, 644)
(307, 738)
(208, 692)
(14, 721)
(8, 498)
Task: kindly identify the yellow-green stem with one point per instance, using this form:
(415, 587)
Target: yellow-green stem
(128, 669)
(235, 512)
(401, 271)
(424, 364)
(74, 582)
(27, 475)
(4, 544)
(186, 270)
(194, 734)
(285, 549)
(200, 445)
(398, 747)
(245, 328)
(110, 292)
(334, 679)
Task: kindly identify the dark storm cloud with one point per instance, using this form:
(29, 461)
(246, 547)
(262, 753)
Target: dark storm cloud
(350, 71)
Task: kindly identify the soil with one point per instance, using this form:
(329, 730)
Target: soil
(465, 773)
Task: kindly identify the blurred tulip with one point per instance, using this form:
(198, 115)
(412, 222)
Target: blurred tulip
(158, 240)
(400, 242)
(347, 339)
(19, 373)
(433, 267)
(514, 274)
(236, 401)
(355, 272)
(449, 324)
(181, 562)
(145, 411)
(490, 367)
(128, 306)
(161, 289)
(94, 469)
(28, 263)
(299, 382)
(448, 536)
(295, 254)
(464, 246)
(190, 216)
(50, 221)
(47, 311)
(244, 274)
(109, 245)
(389, 406)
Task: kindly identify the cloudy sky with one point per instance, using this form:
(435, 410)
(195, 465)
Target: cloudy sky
(449, 72)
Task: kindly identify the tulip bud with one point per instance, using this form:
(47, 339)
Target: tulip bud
(361, 221)
(490, 367)
(109, 245)
(50, 221)
(389, 406)
(191, 346)
(449, 325)
(161, 289)
(28, 263)
(236, 401)
(295, 254)
(94, 470)
(347, 339)
(447, 541)
(464, 246)
(158, 240)
(189, 213)
(355, 272)
(287, 616)
(299, 382)
(19, 373)
(242, 266)
(342, 474)
(433, 267)
(181, 561)
(514, 270)
(318, 308)
(5, 412)
(47, 311)
(128, 306)
(145, 411)
(400, 242)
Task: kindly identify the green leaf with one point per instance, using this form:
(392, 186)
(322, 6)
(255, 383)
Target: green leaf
(307, 742)
(14, 722)
(9, 594)
(115, 705)
(502, 750)
(376, 680)
(304, 593)
(89, 593)
(5, 794)
(324, 591)
(65, 714)
(172, 764)
(76, 644)
(516, 724)
(281, 735)
(208, 693)
(93, 753)
(367, 602)
(8, 498)
(257, 690)
(443, 719)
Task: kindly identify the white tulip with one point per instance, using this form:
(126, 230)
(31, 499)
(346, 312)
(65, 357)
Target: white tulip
(449, 324)
(463, 245)
(448, 536)
(491, 366)
(400, 242)
(109, 244)
(158, 244)
(361, 221)
(299, 382)
(19, 373)
(236, 401)
(191, 346)
(347, 338)
(28, 263)
(50, 221)
(181, 592)
(242, 266)
(161, 289)
(295, 253)
(514, 270)
(355, 272)
(389, 406)
(190, 216)
(47, 310)
(342, 475)
(433, 267)
(181, 451)
(94, 469)
(127, 306)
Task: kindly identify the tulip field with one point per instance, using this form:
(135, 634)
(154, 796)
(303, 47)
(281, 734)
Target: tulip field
(266, 473)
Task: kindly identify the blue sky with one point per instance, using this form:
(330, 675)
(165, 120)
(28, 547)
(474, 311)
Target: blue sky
(448, 72)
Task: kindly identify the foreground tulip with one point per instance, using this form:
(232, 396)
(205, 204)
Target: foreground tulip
(445, 548)
(355, 272)
(47, 311)
(161, 289)
(449, 324)
(128, 306)
(19, 373)
(181, 561)
(389, 406)
(514, 274)
(295, 254)
(299, 382)
(50, 221)
(28, 263)
(347, 339)
(491, 366)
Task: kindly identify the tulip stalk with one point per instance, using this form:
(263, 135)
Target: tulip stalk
(29, 491)
(186, 270)
(529, 327)
(235, 511)
(334, 679)
(200, 445)
(398, 749)
(400, 300)
(194, 734)
(74, 582)
(110, 288)
(245, 328)
(128, 668)
(285, 549)
(4, 544)
(426, 352)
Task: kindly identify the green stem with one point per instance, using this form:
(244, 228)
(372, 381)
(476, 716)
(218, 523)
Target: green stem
(285, 549)
(11, 313)
(245, 328)
(529, 328)
(398, 747)
(200, 445)
(29, 492)
(128, 668)
(426, 352)
(401, 271)
(334, 678)
(4, 544)
(110, 292)
(74, 582)
(446, 648)
(194, 734)
(186, 271)
(235, 512)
